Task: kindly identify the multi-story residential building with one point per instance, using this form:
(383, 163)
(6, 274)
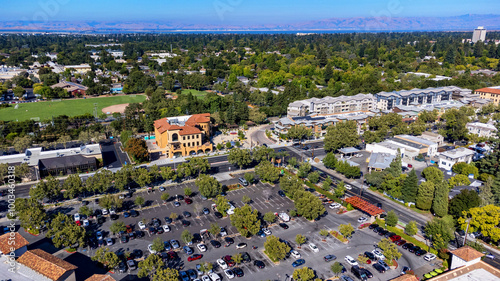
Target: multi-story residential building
(332, 105)
(434, 137)
(449, 158)
(183, 135)
(491, 93)
(482, 129)
(479, 34)
(415, 97)
(81, 68)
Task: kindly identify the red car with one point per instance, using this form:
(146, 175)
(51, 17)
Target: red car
(395, 238)
(400, 242)
(228, 259)
(195, 257)
(188, 201)
(129, 229)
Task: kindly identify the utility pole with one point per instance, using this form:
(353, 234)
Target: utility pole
(95, 110)
(466, 231)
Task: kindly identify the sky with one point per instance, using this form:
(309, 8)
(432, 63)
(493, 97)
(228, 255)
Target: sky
(245, 12)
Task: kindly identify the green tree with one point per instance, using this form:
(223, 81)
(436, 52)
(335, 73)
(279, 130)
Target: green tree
(275, 249)
(22, 143)
(324, 233)
(308, 205)
(346, 230)
(440, 201)
(239, 157)
(327, 184)
(411, 228)
(214, 229)
(313, 177)
(208, 186)
(157, 245)
(342, 134)
(300, 239)
(65, 232)
(293, 161)
(485, 193)
(188, 191)
(465, 169)
(303, 274)
(246, 220)
(441, 231)
(340, 189)
(72, 186)
(206, 267)
(237, 258)
(199, 165)
(165, 196)
(186, 236)
(267, 172)
(30, 213)
(138, 149)
(249, 177)
(261, 153)
(167, 173)
(166, 274)
(107, 258)
(299, 132)
(464, 201)
(109, 201)
(117, 226)
(246, 199)
(433, 174)
(269, 217)
(85, 211)
(150, 266)
(390, 249)
(336, 268)
(458, 180)
(410, 187)
(391, 219)
(139, 201)
(304, 169)
(330, 161)
(222, 204)
(425, 194)
(484, 219)
(395, 168)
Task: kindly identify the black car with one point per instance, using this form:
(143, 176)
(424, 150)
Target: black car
(122, 267)
(152, 230)
(218, 215)
(159, 230)
(185, 223)
(206, 211)
(196, 238)
(229, 240)
(187, 214)
(328, 258)
(390, 234)
(420, 252)
(283, 225)
(383, 232)
(192, 274)
(407, 245)
(137, 254)
(113, 217)
(281, 193)
(124, 238)
(370, 256)
(168, 220)
(414, 249)
(378, 229)
(155, 222)
(180, 197)
(238, 272)
(373, 226)
(379, 205)
(215, 244)
(134, 213)
(259, 264)
(245, 257)
(379, 268)
(139, 234)
(367, 273)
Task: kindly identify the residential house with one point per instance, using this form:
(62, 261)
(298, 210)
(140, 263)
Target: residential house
(183, 135)
(47, 267)
(482, 129)
(449, 158)
(71, 87)
(434, 137)
(13, 242)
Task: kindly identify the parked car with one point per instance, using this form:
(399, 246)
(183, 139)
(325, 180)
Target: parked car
(187, 250)
(295, 254)
(370, 255)
(141, 225)
(195, 257)
(283, 225)
(313, 247)
(174, 243)
(215, 244)
(379, 268)
(229, 273)
(298, 262)
(382, 263)
(241, 245)
(222, 264)
(373, 226)
(259, 264)
(429, 257)
(362, 220)
(378, 254)
(238, 272)
(350, 260)
(407, 245)
(201, 247)
(328, 258)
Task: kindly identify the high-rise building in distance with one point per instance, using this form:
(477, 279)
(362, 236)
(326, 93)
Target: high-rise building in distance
(479, 34)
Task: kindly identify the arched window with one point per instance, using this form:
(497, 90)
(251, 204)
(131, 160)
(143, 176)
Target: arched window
(175, 137)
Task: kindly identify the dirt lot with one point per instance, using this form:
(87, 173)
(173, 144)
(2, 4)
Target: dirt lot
(118, 108)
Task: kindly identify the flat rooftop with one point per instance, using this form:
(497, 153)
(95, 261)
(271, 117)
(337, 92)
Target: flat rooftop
(33, 155)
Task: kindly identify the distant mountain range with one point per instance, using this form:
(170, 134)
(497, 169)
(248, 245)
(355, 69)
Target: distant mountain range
(358, 24)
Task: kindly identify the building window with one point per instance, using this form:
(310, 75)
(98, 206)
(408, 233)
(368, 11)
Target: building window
(197, 143)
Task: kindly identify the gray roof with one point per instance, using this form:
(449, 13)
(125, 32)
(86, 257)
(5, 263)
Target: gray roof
(417, 139)
(405, 93)
(457, 153)
(68, 161)
(346, 150)
(380, 160)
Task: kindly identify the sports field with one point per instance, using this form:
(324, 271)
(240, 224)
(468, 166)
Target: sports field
(45, 110)
(196, 93)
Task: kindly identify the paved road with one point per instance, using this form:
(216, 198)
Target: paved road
(259, 137)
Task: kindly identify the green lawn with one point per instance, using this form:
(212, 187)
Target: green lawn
(196, 93)
(45, 110)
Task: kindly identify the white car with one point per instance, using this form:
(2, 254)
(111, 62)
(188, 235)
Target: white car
(335, 205)
(267, 231)
(76, 216)
(378, 254)
(429, 257)
(205, 278)
(214, 276)
(141, 225)
(295, 254)
(223, 232)
(348, 186)
(350, 260)
(86, 223)
(362, 219)
(104, 212)
(313, 247)
(201, 247)
(166, 228)
(112, 211)
(222, 263)
(150, 249)
(229, 273)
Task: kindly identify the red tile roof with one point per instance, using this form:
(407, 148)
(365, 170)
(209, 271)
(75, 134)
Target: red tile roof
(20, 242)
(198, 118)
(406, 277)
(489, 90)
(100, 277)
(46, 264)
(364, 206)
(467, 253)
(189, 130)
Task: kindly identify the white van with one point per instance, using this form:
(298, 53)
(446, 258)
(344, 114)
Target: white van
(230, 211)
(284, 217)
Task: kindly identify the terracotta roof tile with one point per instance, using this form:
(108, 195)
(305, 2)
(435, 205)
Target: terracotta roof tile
(100, 277)
(467, 253)
(46, 264)
(20, 242)
(189, 130)
(198, 118)
(405, 277)
(488, 90)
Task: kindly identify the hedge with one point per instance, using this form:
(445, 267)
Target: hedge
(410, 239)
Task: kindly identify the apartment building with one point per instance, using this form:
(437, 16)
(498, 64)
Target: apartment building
(332, 105)
(491, 93)
(449, 158)
(415, 97)
(482, 129)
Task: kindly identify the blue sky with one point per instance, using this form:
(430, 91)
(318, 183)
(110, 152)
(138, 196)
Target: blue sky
(235, 11)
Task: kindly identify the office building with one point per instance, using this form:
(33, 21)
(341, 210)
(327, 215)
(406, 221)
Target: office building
(491, 93)
(479, 34)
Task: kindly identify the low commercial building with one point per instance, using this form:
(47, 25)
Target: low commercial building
(13, 242)
(100, 277)
(41, 265)
(428, 147)
(380, 161)
(434, 137)
(72, 88)
(81, 68)
(317, 124)
(183, 135)
(332, 105)
(449, 158)
(56, 162)
(482, 129)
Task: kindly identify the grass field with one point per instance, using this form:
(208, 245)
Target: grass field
(45, 110)
(196, 93)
